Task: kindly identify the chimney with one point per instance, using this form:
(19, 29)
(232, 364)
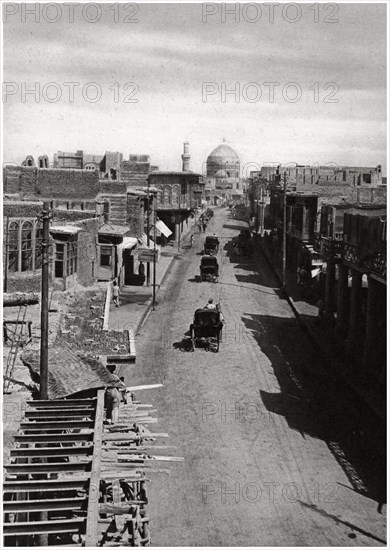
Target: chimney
(185, 157)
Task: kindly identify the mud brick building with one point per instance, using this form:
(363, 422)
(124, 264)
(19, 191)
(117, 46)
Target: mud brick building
(97, 225)
(303, 212)
(178, 195)
(355, 290)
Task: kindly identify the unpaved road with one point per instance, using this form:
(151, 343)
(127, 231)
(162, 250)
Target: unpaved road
(276, 453)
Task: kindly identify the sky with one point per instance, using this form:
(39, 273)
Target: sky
(161, 74)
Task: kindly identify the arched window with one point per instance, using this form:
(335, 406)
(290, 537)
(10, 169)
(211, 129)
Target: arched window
(159, 195)
(27, 242)
(38, 245)
(175, 194)
(13, 247)
(166, 195)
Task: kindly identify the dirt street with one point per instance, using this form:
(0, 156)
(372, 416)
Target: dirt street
(276, 453)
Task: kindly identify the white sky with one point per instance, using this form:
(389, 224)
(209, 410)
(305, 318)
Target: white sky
(170, 53)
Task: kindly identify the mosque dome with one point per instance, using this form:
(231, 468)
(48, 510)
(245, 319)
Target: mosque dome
(222, 158)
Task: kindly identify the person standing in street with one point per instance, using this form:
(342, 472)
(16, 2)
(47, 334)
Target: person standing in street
(115, 293)
(192, 240)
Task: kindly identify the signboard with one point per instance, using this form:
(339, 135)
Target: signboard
(146, 255)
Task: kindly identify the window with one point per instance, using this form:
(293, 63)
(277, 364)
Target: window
(24, 245)
(71, 258)
(38, 246)
(27, 242)
(13, 246)
(59, 260)
(175, 194)
(65, 259)
(166, 195)
(106, 256)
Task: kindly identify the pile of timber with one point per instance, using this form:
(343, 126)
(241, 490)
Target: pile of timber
(76, 480)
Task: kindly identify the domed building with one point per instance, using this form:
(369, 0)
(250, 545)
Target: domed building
(223, 174)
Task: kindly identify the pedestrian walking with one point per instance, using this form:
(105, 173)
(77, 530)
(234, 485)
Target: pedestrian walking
(112, 399)
(115, 293)
(192, 240)
(204, 227)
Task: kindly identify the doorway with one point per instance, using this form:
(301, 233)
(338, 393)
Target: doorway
(128, 265)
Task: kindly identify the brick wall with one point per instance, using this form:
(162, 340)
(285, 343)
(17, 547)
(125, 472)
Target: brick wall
(87, 258)
(135, 215)
(135, 174)
(112, 187)
(50, 183)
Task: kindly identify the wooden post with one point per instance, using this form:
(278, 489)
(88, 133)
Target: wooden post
(148, 238)
(179, 228)
(6, 256)
(284, 230)
(154, 259)
(45, 303)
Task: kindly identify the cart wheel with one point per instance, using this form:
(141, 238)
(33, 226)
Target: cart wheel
(217, 344)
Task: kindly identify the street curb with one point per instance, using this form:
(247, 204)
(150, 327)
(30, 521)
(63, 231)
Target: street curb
(315, 341)
(149, 303)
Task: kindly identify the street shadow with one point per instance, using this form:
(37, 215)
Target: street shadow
(237, 226)
(195, 279)
(184, 345)
(318, 403)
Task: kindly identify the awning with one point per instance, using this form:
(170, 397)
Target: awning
(129, 242)
(113, 230)
(65, 229)
(160, 225)
(315, 272)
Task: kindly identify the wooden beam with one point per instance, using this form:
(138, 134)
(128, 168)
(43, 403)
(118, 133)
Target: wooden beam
(22, 506)
(20, 299)
(92, 531)
(43, 527)
(54, 438)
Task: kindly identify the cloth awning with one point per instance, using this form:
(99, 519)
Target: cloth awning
(160, 225)
(129, 242)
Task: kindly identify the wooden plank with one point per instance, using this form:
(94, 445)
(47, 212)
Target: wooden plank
(35, 485)
(143, 387)
(78, 450)
(92, 531)
(66, 414)
(119, 509)
(128, 437)
(62, 403)
(53, 425)
(43, 527)
(44, 505)
(55, 438)
(46, 467)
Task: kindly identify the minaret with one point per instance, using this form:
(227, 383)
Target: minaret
(186, 157)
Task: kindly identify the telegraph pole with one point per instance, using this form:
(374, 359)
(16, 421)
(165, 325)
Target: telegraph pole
(179, 229)
(148, 238)
(6, 255)
(154, 257)
(44, 357)
(284, 229)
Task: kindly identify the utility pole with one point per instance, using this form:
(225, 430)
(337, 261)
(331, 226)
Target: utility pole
(284, 230)
(148, 238)
(179, 229)
(44, 357)
(6, 255)
(154, 255)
